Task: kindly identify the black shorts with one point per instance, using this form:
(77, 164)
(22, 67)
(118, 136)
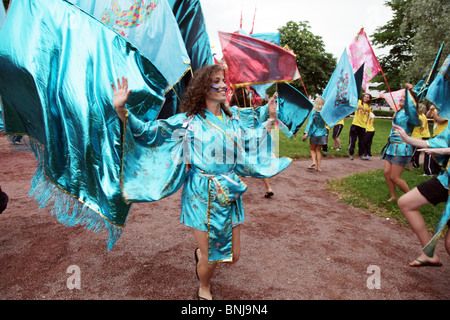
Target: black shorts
(337, 130)
(433, 191)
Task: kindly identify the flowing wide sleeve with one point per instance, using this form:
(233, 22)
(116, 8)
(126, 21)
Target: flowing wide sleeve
(442, 140)
(153, 164)
(258, 152)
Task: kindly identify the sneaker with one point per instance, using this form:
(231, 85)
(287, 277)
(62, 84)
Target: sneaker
(363, 157)
(338, 149)
(369, 158)
(324, 153)
(351, 157)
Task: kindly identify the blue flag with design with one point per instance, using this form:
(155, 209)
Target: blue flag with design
(439, 90)
(150, 26)
(340, 94)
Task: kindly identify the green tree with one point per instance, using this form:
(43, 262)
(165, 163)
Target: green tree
(398, 39)
(315, 65)
(432, 19)
(413, 36)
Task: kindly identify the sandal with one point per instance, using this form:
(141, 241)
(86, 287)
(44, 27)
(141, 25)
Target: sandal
(269, 194)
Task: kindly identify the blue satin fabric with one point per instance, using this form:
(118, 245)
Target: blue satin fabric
(315, 126)
(216, 153)
(442, 140)
(395, 146)
(251, 117)
(189, 15)
(56, 66)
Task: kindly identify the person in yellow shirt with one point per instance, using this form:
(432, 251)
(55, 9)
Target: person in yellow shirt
(358, 127)
(337, 129)
(368, 137)
(422, 133)
(439, 126)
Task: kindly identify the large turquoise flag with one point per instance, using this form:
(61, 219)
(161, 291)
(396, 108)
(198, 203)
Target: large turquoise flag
(411, 109)
(293, 107)
(340, 94)
(439, 90)
(421, 87)
(2, 13)
(189, 15)
(150, 26)
(56, 68)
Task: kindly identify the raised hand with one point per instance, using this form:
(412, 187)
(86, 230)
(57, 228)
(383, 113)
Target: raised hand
(120, 97)
(273, 106)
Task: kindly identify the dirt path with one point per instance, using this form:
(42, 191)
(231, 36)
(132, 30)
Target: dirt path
(301, 244)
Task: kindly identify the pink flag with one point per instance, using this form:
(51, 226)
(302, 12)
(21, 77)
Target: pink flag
(394, 99)
(361, 52)
(252, 61)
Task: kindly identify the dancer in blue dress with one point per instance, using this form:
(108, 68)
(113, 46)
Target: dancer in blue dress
(215, 148)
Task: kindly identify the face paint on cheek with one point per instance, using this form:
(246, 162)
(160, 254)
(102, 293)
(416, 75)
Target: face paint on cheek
(214, 87)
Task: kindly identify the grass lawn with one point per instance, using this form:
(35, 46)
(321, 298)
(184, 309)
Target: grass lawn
(365, 190)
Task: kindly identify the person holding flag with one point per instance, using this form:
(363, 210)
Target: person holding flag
(317, 132)
(396, 152)
(204, 140)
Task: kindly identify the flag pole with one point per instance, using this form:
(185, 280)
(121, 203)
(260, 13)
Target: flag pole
(373, 53)
(253, 24)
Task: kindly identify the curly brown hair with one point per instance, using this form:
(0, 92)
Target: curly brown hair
(195, 95)
(240, 98)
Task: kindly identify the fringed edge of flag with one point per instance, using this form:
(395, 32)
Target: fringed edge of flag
(67, 208)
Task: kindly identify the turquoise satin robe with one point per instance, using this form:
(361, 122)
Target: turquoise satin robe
(254, 117)
(395, 145)
(442, 140)
(217, 152)
(315, 127)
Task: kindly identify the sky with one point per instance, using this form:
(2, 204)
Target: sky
(336, 21)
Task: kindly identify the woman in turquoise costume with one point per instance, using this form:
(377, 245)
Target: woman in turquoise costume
(317, 132)
(396, 152)
(212, 143)
(241, 105)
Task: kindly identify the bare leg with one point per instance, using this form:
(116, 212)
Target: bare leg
(318, 156)
(205, 269)
(312, 151)
(267, 184)
(396, 177)
(389, 182)
(409, 204)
